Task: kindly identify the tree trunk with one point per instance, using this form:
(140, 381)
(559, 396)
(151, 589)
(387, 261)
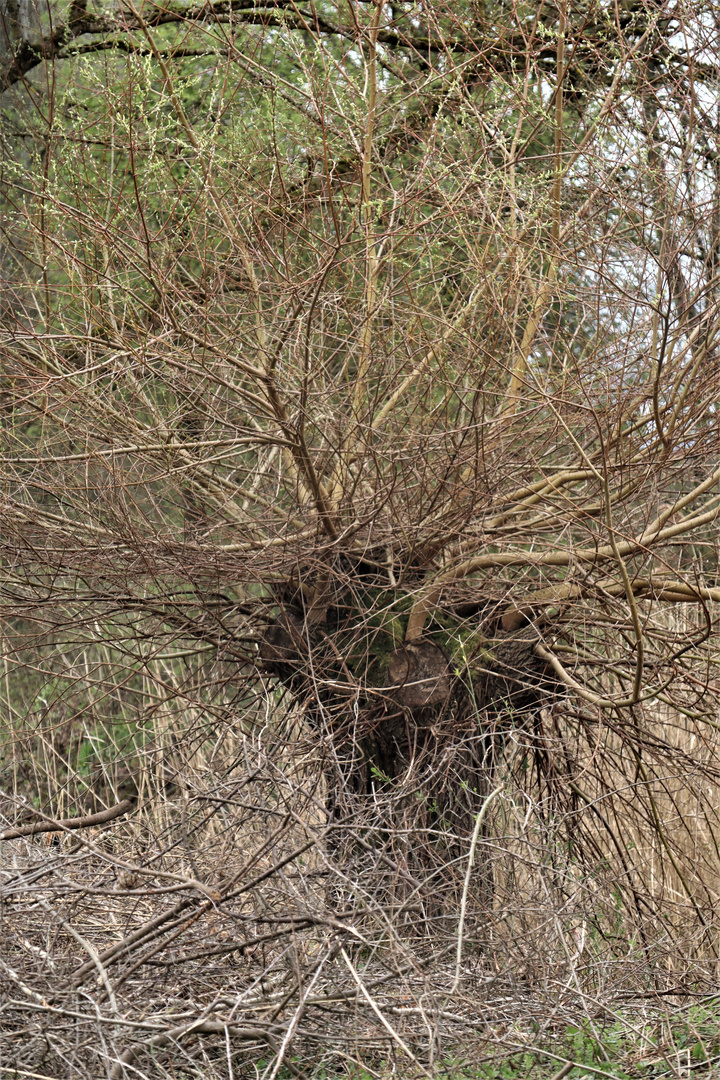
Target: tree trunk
(411, 741)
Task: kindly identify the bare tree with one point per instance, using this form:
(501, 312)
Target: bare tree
(359, 407)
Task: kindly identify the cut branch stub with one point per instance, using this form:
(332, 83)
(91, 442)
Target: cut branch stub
(419, 674)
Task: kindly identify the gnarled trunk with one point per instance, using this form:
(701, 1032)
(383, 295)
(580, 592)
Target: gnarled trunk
(410, 733)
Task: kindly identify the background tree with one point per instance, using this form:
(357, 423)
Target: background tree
(359, 487)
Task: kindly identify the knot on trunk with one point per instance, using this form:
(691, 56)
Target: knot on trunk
(419, 674)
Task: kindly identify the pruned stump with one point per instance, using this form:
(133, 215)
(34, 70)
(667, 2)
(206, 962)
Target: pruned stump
(408, 747)
(419, 675)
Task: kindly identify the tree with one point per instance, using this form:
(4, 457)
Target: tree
(363, 360)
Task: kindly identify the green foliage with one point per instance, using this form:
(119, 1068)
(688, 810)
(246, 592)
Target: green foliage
(688, 1043)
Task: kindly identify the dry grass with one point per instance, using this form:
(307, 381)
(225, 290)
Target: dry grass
(226, 929)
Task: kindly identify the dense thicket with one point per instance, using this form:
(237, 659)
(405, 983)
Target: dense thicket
(359, 485)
